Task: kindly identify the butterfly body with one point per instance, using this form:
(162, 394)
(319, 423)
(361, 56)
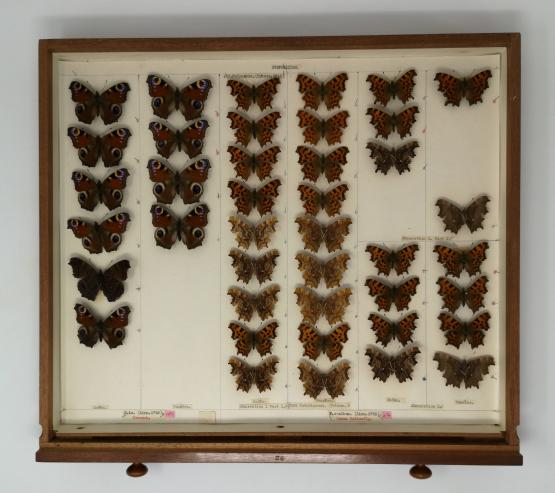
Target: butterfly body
(248, 94)
(262, 302)
(315, 343)
(392, 157)
(246, 375)
(91, 148)
(385, 260)
(386, 294)
(247, 163)
(313, 164)
(315, 381)
(169, 228)
(401, 365)
(331, 306)
(92, 281)
(400, 88)
(262, 198)
(314, 233)
(316, 128)
(106, 235)
(190, 139)
(314, 270)
(456, 331)
(107, 104)
(315, 200)
(248, 340)
(261, 130)
(386, 330)
(246, 266)
(455, 89)
(456, 260)
(247, 233)
(454, 296)
(386, 123)
(315, 92)
(455, 370)
(111, 330)
(455, 217)
(91, 192)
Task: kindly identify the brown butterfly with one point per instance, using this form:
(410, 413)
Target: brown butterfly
(455, 217)
(400, 88)
(315, 200)
(454, 296)
(386, 294)
(455, 89)
(90, 104)
(455, 370)
(246, 266)
(332, 306)
(313, 164)
(392, 157)
(246, 303)
(187, 183)
(316, 128)
(108, 147)
(105, 235)
(261, 94)
(246, 233)
(190, 139)
(386, 330)
(401, 364)
(246, 163)
(92, 329)
(315, 92)
(166, 98)
(315, 343)
(92, 192)
(92, 280)
(249, 340)
(262, 198)
(385, 259)
(260, 375)
(455, 260)
(314, 380)
(189, 229)
(456, 331)
(314, 233)
(386, 123)
(330, 271)
(246, 129)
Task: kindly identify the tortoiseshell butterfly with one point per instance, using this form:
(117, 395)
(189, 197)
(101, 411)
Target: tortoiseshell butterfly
(386, 123)
(261, 94)
(455, 89)
(313, 164)
(400, 88)
(316, 128)
(315, 92)
(399, 260)
(386, 294)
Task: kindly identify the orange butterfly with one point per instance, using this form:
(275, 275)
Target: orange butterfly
(384, 90)
(455, 89)
(315, 343)
(316, 128)
(261, 94)
(248, 340)
(456, 331)
(386, 123)
(386, 330)
(313, 164)
(315, 92)
(454, 296)
(262, 198)
(456, 259)
(331, 201)
(385, 260)
(246, 129)
(386, 294)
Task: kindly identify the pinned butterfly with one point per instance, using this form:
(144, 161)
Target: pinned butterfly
(456, 89)
(90, 103)
(94, 329)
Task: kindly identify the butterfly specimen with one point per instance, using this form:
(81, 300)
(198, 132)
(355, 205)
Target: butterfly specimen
(91, 147)
(260, 375)
(386, 294)
(190, 139)
(315, 200)
(246, 163)
(455, 260)
(315, 343)
(313, 306)
(105, 235)
(92, 280)
(386, 330)
(248, 340)
(261, 130)
(111, 330)
(314, 233)
(330, 271)
(90, 104)
(455, 89)
(315, 92)
(92, 192)
(386, 123)
(399, 260)
(166, 98)
(316, 128)
(392, 157)
(401, 364)
(454, 296)
(262, 302)
(455, 370)
(246, 267)
(262, 199)
(169, 228)
(246, 233)
(384, 90)
(313, 164)
(455, 217)
(456, 331)
(247, 94)
(187, 183)
(314, 380)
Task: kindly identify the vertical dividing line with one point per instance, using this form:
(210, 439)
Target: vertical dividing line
(286, 223)
(357, 246)
(426, 275)
(219, 418)
(140, 263)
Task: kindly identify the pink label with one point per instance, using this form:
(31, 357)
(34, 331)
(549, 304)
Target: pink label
(386, 415)
(169, 414)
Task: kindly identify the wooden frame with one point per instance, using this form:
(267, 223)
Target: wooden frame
(374, 447)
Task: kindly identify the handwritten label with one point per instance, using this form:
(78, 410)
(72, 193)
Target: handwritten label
(320, 404)
(426, 406)
(360, 416)
(251, 76)
(464, 402)
(148, 414)
(424, 238)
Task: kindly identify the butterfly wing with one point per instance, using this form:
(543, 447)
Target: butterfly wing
(264, 266)
(477, 328)
(336, 379)
(311, 125)
(381, 293)
(451, 367)
(311, 269)
(87, 145)
(381, 121)
(89, 279)
(164, 179)
(264, 338)
(242, 161)
(310, 161)
(333, 90)
(311, 340)
(451, 294)
(335, 305)
(380, 88)
(111, 102)
(453, 329)
(334, 198)
(163, 96)
(165, 139)
(193, 98)
(404, 363)
(384, 157)
(193, 226)
(334, 162)
(476, 85)
(266, 301)
(87, 232)
(381, 257)
(112, 280)
(112, 146)
(165, 226)
(477, 368)
(311, 198)
(112, 229)
(265, 126)
(264, 162)
(451, 88)
(404, 155)
(114, 327)
(89, 332)
(192, 138)
(243, 265)
(334, 341)
(264, 373)
(312, 379)
(404, 257)
(474, 258)
(405, 120)
(406, 327)
(87, 190)
(243, 93)
(475, 212)
(475, 293)
(243, 128)
(383, 328)
(334, 126)
(309, 304)
(334, 269)
(450, 258)
(86, 108)
(404, 85)
(263, 232)
(243, 303)
(191, 181)
(379, 362)
(243, 373)
(311, 232)
(310, 90)
(264, 93)
(405, 292)
(242, 336)
(266, 197)
(453, 218)
(242, 195)
(111, 188)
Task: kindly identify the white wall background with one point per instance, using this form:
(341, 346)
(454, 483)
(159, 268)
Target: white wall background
(23, 22)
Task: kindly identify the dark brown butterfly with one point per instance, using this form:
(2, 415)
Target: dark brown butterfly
(386, 294)
(92, 192)
(90, 104)
(315, 92)
(455, 89)
(247, 94)
(314, 233)
(105, 235)
(315, 200)
(92, 329)
(385, 259)
(262, 198)
(392, 157)
(456, 331)
(316, 128)
(190, 139)
(187, 183)
(400, 88)
(246, 163)
(332, 306)
(315, 343)
(170, 228)
(313, 164)
(455, 370)
(455, 260)
(261, 130)
(386, 123)
(314, 380)
(91, 148)
(247, 233)
(262, 302)
(455, 217)
(386, 330)
(401, 364)
(166, 98)
(246, 266)
(92, 281)
(248, 340)
(330, 271)
(454, 296)
(260, 375)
